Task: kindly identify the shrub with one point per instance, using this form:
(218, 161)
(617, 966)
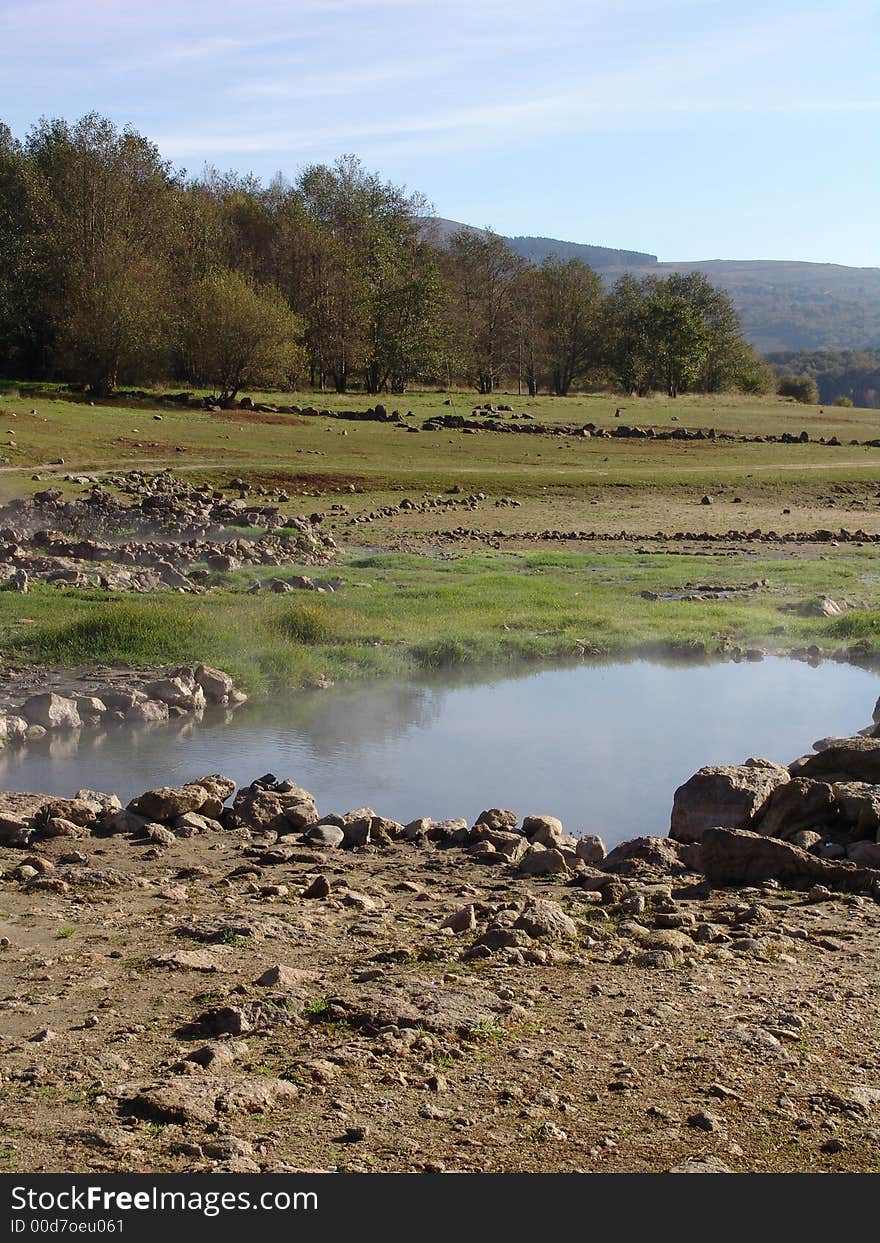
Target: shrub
(802, 388)
(846, 402)
(305, 624)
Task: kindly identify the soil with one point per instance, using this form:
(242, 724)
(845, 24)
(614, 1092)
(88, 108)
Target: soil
(136, 1036)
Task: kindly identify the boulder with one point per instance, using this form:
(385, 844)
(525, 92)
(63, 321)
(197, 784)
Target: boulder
(590, 849)
(795, 805)
(859, 805)
(214, 682)
(325, 836)
(543, 918)
(857, 758)
(280, 806)
(498, 818)
(546, 830)
(737, 857)
(723, 796)
(168, 802)
(646, 854)
(538, 861)
(79, 811)
(51, 711)
(147, 712)
(512, 846)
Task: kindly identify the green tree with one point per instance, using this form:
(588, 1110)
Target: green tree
(802, 388)
(484, 272)
(235, 333)
(571, 300)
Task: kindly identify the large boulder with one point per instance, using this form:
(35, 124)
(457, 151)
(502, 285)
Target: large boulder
(546, 830)
(737, 857)
(646, 854)
(859, 804)
(168, 802)
(723, 796)
(216, 684)
(280, 806)
(51, 711)
(543, 918)
(857, 758)
(796, 805)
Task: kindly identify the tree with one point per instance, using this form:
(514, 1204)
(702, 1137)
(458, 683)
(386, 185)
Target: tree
(626, 341)
(235, 333)
(484, 272)
(802, 388)
(115, 323)
(679, 340)
(571, 298)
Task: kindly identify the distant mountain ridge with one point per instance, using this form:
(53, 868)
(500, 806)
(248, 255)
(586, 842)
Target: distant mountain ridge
(783, 304)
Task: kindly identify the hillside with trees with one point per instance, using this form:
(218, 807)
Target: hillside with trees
(116, 269)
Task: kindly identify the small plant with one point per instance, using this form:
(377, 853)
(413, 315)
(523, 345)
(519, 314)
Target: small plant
(228, 937)
(64, 934)
(318, 1010)
(486, 1030)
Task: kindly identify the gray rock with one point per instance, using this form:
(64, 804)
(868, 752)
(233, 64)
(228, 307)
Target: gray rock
(590, 848)
(325, 836)
(544, 918)
(545, 830)
(51, 711)
(723, 796)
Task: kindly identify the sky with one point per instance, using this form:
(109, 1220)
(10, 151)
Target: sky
(691, 129)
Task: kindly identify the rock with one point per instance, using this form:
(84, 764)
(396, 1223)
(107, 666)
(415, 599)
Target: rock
(806, 839)
(540, 862)
(409, 1001)
(498, 818)
(511, 846)
(737, 857)
(544, 918)
(797, 804)
(646, 854)
(167, 802)
(187, 1101)
(57, 826)
(325, 836)
(462, 920)
(722, 796)
(590, 848)
(319, 888)
(865, 853)
(546, 830)
(147, 712)
(280, 806)
(79, 811)
(280, 976)
(857, 758)
(701, 1165)
(859, 804)
(191, 823)
(216, 786)
(90, 706)
(51, 711)
(216, 684)
(160, 835)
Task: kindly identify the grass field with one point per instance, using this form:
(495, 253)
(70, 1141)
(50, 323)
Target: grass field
(410, 598)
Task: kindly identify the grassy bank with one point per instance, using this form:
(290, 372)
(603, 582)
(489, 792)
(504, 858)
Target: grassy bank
(396, 614)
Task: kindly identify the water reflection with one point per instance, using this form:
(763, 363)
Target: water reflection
(601, 746)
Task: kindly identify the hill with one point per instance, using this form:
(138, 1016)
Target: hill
(783, 305)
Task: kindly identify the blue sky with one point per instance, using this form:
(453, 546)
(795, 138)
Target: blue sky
(694, 129)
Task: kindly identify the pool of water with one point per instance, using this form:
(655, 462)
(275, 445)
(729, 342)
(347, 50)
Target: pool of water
(602, 747)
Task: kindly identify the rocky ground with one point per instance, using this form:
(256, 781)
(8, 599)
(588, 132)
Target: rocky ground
(194, 984)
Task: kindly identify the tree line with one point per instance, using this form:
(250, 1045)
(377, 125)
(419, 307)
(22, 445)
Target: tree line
(116, 268)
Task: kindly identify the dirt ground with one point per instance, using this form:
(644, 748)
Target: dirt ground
(379, 1042)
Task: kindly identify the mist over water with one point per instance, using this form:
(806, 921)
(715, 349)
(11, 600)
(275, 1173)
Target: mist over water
(602, 747)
